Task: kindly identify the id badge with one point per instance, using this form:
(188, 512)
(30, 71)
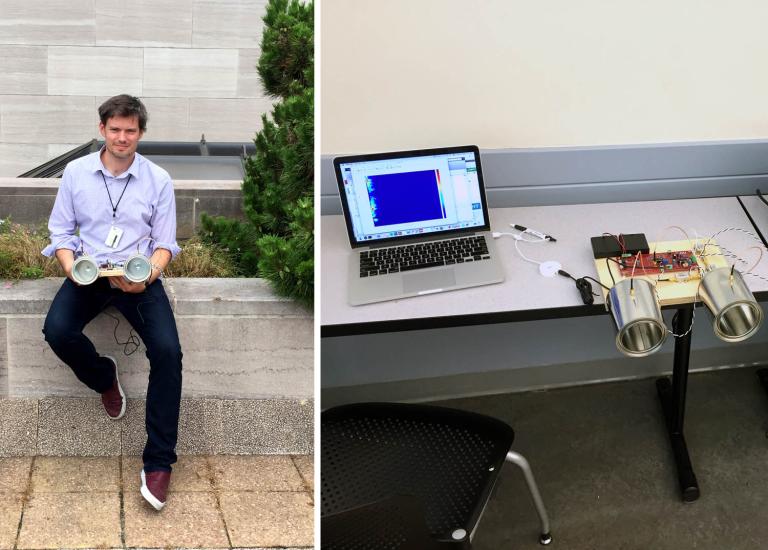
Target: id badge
(113, 238)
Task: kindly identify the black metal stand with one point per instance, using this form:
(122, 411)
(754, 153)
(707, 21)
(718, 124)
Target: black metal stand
(672, 396)
(762, 374)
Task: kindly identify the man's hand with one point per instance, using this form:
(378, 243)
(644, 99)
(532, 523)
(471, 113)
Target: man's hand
(127, 286)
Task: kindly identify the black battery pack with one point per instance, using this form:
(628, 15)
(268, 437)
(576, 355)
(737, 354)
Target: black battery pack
(608, 246)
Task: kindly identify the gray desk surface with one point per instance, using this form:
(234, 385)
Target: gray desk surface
(525, 292)
(758, 211)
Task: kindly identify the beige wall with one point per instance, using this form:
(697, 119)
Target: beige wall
(191, 61)
(512, 73)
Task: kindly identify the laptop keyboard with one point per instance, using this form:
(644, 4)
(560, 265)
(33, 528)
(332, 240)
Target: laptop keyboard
(422, 255)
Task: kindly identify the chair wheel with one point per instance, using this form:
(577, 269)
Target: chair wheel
(545, 539)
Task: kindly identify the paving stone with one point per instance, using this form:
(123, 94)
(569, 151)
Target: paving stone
(268, 519)
(76, 475)
(189, 520)
(11, 505)
(269, 426)
(76, 427)
(14, 474)
(71, 520)
(306, 466)
(18, 428)
(255, 473)
(190, 474)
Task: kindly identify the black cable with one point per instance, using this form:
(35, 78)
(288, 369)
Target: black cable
(584, 287)
(598, 282)
(133, 339)
(609, 269)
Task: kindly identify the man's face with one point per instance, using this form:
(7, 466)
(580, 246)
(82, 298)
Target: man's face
(121, 136)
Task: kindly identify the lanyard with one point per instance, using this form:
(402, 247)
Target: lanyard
(114, 206)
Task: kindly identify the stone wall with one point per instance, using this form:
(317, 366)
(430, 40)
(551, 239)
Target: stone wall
(239, 341)
(248, 374)
(192, 63)
(30, 200)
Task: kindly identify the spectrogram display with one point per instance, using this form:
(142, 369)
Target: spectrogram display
(406, 197)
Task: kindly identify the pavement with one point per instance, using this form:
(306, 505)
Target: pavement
(215, 501)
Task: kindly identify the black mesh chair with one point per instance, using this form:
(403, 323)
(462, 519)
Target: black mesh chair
(397, 476)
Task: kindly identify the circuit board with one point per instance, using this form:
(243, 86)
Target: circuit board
(683, 282)
(680, 265)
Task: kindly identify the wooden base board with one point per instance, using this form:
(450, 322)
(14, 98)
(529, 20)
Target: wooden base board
(670, 292)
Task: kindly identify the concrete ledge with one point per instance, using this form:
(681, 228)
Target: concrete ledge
(31, 199)
(240, 341)
(79, 427)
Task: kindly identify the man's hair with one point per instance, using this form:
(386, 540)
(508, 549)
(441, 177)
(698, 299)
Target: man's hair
(124, 105)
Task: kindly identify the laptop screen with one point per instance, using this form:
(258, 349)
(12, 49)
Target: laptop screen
(411, 194)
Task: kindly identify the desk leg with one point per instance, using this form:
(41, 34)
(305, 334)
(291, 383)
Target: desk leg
(762, 374)
(672, 398)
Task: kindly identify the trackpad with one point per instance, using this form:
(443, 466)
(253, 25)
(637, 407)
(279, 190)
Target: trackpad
(434, 279)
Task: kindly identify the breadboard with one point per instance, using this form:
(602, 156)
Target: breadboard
(114, 272)
(671, 292)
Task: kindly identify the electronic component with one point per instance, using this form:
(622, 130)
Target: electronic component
(614, 246)
(668, 266)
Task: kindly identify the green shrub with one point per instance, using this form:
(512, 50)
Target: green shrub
(276, 240)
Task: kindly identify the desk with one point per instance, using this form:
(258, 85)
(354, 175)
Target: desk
(757, 211)
(526, 295)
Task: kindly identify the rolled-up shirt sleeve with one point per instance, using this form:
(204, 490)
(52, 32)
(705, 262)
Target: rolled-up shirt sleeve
(63, 223)
(163, 221)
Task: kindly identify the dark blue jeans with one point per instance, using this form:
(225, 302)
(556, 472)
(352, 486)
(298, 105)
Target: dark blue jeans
(151, 316)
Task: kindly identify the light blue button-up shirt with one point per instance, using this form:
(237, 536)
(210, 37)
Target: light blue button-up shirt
(147, 209)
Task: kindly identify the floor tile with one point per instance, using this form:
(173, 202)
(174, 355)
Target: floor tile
(255, 473)
(72, 474)
(189, 520)
(71, 520)
(268, 519)
(190, 474)
(14, 474)
(10, 514)
(306, 466)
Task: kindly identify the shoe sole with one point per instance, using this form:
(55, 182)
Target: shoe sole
(148, 496)
(119, 388)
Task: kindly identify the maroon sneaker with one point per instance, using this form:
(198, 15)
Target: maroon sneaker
(114, 399)
(154, 487)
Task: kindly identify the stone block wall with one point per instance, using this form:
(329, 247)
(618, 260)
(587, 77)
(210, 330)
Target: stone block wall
(239, 340)
(247, 379)
(30, 200)
(191, 61)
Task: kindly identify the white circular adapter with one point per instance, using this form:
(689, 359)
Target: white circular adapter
(549, 268)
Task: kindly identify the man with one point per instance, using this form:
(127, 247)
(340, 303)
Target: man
(108, 203)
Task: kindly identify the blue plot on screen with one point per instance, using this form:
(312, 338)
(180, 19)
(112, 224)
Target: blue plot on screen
(406, 197)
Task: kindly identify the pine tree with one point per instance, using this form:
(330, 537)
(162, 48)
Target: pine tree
(276, 240)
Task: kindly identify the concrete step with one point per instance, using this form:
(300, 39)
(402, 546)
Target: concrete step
(60, 426)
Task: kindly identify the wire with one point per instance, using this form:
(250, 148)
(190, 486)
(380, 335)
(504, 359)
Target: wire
(524, 257)
(619, 239)
(693, 319)
(598, 282)
(583, 286)
(133, 339)
(518, 238)
(609, 269)
(683, 231)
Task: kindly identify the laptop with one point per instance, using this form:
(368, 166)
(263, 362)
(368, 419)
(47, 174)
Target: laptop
(417, 222)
